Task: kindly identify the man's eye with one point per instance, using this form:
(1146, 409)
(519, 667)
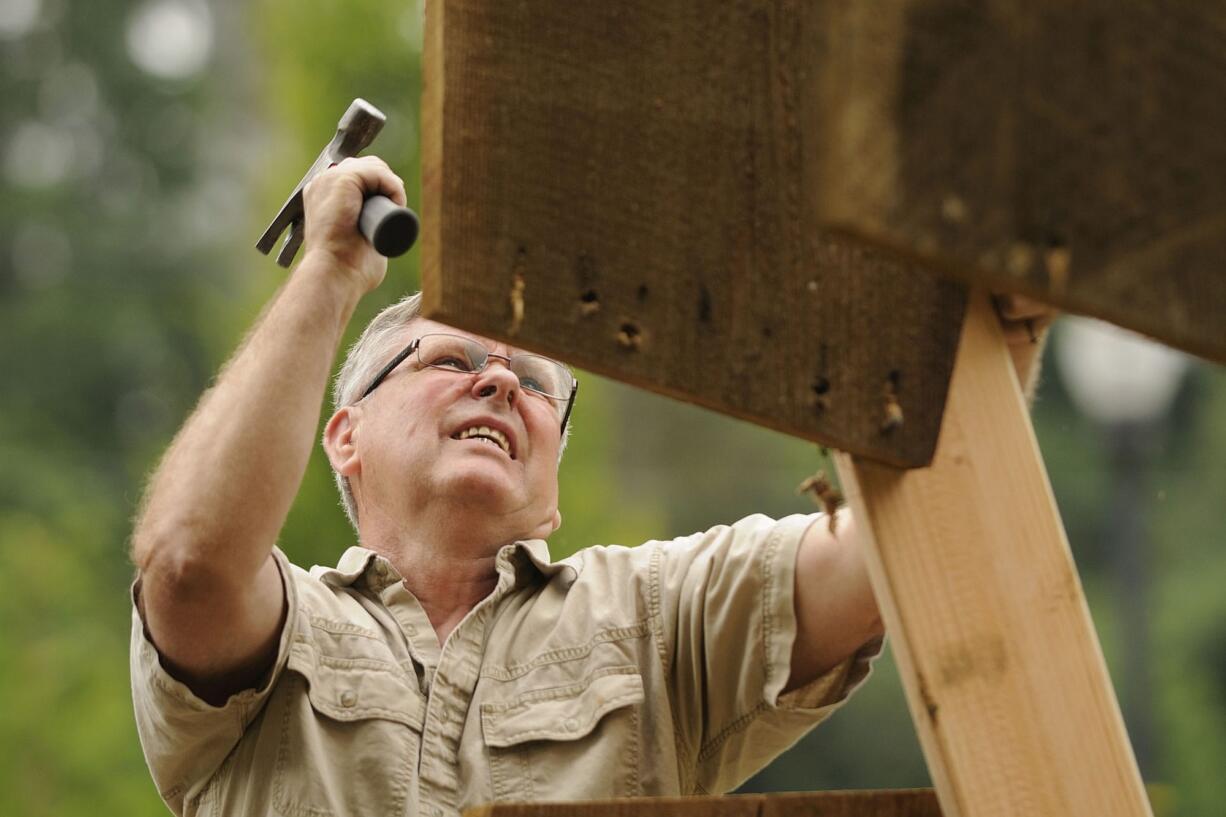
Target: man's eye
(532, 383)
(452, 363)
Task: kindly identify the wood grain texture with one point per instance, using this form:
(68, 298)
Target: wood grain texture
(1003, 672)
(640, 171)
(887, 803)
(1071, 150)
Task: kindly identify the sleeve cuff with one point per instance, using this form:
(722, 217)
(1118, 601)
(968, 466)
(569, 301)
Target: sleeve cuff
(838, 684)
(779, 623)
(245, 702)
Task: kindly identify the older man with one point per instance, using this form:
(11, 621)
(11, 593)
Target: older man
(446, 661)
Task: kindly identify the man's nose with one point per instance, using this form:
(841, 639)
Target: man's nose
(497, 380)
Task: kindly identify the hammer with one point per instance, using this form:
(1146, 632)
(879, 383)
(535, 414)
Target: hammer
(392, 229)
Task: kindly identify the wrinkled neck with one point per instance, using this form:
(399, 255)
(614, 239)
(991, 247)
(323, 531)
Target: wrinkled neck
(447, 573)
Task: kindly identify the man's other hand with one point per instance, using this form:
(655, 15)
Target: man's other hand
(1023, 319)
(1025, 322)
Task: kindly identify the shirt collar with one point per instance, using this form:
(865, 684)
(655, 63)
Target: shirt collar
(358, 561)
(353, 563)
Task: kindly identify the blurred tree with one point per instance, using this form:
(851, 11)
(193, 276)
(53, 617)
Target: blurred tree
(106, 260)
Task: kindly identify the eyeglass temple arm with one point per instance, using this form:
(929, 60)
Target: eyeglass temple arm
(570, 404)
(391, 364)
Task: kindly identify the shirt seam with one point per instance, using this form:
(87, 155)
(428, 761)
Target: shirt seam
(560, 692)
(336, 627)
(767, 566)
(738, 725)
(685, 755)
(561, 655)
(654, 605)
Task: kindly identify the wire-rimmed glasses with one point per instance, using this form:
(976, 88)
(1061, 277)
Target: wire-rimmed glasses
(537, 374)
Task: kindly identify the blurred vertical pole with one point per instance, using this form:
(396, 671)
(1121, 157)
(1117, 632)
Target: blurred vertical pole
(1126, 384)
(1127, 540)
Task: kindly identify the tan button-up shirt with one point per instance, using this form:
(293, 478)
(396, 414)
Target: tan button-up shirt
(655, 670)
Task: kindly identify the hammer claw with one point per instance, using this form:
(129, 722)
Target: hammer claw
(290, 212)
(293, 240)
(355, 131)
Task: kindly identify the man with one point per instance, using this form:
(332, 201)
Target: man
(446, 662)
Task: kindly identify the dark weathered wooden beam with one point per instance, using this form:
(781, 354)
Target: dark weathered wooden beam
(628, 186)
(663, 179)
(1071, 150)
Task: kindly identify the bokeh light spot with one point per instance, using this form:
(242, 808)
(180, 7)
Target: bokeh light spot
(171, 39)
(39, 155)
(18, 18)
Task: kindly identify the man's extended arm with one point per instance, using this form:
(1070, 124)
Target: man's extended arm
(211, 595)
(836, 612)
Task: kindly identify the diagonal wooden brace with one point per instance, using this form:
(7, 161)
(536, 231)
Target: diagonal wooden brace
(1002, 669)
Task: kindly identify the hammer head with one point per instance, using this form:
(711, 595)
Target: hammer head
(356, 129)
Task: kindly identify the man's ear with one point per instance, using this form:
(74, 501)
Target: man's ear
(547, 526)
(340, 441)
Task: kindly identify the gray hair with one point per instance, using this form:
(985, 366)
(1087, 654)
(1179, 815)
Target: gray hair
(379, 342)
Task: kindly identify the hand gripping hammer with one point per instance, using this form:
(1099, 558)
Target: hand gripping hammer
(392, 229)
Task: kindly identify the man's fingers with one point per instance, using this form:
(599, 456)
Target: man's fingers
(1023, 319)
(333, 203)
(374, 177)
(1022, 308)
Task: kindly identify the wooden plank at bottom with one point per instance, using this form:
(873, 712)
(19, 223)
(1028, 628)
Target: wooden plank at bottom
(885, 803)
(999, 659)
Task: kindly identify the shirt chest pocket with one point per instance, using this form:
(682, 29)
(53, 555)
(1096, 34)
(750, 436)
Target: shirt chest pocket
(577, 741)
(349, 739)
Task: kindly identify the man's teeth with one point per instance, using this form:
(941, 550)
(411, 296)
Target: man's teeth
(485, 432)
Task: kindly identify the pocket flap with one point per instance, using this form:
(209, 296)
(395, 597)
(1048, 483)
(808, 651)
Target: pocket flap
(352, 690)
(560, 713)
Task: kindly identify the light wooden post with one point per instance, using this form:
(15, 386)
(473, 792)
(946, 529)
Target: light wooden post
(1002, 669)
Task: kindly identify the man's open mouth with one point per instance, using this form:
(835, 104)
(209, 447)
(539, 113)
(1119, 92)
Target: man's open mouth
(488, 434)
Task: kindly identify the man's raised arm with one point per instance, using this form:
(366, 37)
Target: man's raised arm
(210, 593)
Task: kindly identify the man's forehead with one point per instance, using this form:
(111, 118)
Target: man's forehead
(424, 326)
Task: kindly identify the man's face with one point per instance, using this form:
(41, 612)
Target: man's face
(416, 455)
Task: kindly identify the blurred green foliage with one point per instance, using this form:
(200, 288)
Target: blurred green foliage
(129, 206)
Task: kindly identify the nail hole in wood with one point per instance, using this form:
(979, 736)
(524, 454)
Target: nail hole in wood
(629, 336)
(892, 412)
(818, 400)
(704, 304)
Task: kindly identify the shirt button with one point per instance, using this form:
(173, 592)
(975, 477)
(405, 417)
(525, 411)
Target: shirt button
(349, 698)
(571, 724)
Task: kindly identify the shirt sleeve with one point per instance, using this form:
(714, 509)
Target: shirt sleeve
(725, 598)
(185, 739)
